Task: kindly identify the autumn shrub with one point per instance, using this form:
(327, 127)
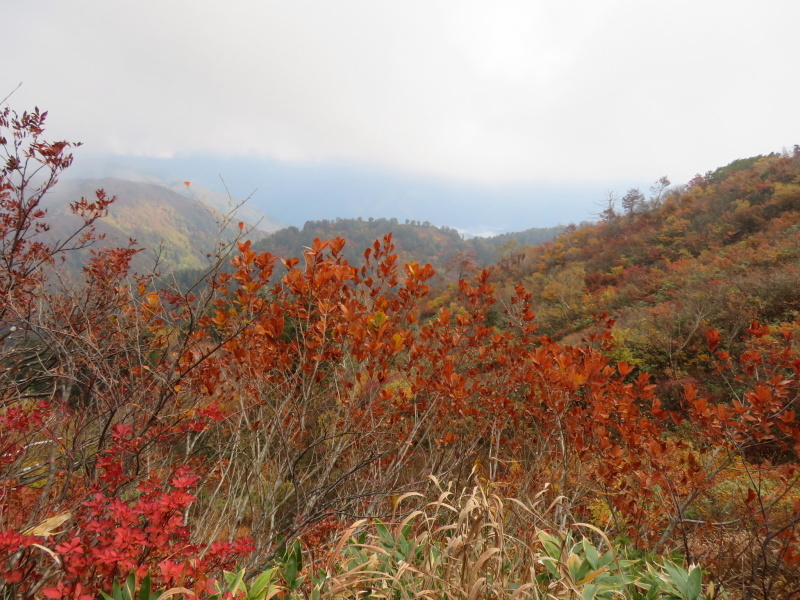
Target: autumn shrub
(469, 544)
(149, 429)
(89, 402)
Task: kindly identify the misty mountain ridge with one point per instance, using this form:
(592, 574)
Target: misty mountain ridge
(294, 192)
(177, 226)
(176, 229)
(415, 241)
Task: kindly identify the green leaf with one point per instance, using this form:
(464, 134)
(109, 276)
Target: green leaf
(129, 591)
(591, 555)
(260, 586)
(578, 569)
(293, 564)
(235, 581)
(551, 546)
(607, 559)
(144, 589)
(678, 577)
(693, 584)
(404, 547)
(661, 581)
(116, 592)
(387, 539)
(589, 592)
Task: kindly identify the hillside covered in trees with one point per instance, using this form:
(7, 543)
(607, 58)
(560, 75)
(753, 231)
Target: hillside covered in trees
(444, 248)
(591, 418)
(173, 231)
(414, 241)
(718, 254)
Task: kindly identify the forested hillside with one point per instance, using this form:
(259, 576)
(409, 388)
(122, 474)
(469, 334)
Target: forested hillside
(342, 430)
(170, 229)
(442, 247)
(720, 253)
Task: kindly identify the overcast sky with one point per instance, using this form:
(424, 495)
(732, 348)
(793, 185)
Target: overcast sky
(493, 92)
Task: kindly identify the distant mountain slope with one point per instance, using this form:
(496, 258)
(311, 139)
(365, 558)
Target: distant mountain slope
(179, 224)
(178, 228)
(414, 241)
(534, 236)
(296, 191)
(720, 253)
(142, 170)
(224, 203)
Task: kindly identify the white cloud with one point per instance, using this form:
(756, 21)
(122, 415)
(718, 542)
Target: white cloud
(496, 91)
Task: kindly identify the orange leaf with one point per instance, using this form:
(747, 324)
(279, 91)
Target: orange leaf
(152, 299)
(624, 368)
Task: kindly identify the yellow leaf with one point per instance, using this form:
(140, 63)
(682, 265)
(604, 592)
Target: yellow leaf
(398, 341)
(591, 576)
(376, 320)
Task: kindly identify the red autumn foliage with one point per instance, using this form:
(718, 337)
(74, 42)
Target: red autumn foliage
(148, 429)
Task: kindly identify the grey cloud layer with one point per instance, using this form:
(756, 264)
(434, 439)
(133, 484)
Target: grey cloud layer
(475, 91)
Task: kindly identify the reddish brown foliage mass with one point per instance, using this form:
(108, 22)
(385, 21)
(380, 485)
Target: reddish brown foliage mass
(147, 429)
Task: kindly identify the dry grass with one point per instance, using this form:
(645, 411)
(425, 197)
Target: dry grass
(478, 544)
(466, 545)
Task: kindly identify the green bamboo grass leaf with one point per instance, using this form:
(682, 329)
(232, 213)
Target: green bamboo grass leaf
(260, 587)
(591, 555)
(694, 583)
(293, 565)
(129, 589)
(589, 592)
(145, 588)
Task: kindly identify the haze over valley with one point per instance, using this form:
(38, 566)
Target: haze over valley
(293, 193)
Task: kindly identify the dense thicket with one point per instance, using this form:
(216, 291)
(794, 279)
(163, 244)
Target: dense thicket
(720, 253)
(150, 430)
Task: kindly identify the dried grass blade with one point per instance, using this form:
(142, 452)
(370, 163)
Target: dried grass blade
(481, 560)
(473, 592)
(343, 540)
